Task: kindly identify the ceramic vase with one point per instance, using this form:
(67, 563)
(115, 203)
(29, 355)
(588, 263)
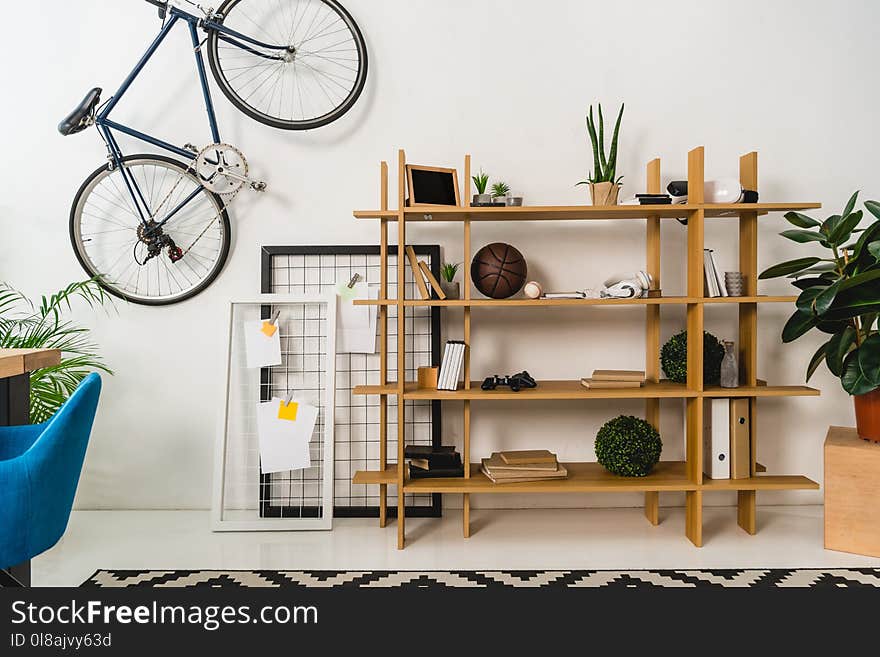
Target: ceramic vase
(729, 367)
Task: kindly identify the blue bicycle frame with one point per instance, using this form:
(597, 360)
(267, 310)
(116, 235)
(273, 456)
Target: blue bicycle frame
(105, 125)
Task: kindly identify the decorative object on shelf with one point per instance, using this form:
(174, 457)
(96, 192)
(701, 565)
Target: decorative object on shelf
(501, 193)
(447, 280)
(734, 283)
(432, 185)
(533, 290)
(481, 182)
(427, 377)
(729, 377)
(603, 180)
(501, 471)
(26, 325)
(516, 382)
(628, 446)
(724, 190)
(632, 285)
(432, 280)
(515, 201)
(499, 270)
(673, 358)
(841, 297)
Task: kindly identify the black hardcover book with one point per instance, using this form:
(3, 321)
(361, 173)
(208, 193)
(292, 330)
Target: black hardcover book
(426, 451)
(419, 473)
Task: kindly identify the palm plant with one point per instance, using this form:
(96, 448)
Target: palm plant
(840, 294)
(604, 167)
(448, 271)
(481, 181)
(500, 189)
(26, 325)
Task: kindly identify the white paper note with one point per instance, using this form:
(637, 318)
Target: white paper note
(284, 444)
(356, 325)
(261, 350)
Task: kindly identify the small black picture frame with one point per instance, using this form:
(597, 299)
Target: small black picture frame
(432, 185)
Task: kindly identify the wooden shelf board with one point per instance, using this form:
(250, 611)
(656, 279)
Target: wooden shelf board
(761, 482)
(579, 212)
(390, 389)
(552, 390)
(372, 477)
(14, 362)
(761, 391)
(516, 303)
(582, 478)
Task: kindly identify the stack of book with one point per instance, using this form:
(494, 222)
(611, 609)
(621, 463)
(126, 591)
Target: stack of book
(715, 286)
(426, 461)
(614, 379)
(529, 465)
(451, 366)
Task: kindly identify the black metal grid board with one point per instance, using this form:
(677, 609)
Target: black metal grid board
(318, 269)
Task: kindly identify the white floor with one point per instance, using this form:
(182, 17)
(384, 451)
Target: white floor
(532, 539)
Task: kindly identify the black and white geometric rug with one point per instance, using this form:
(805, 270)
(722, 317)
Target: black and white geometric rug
(488, 579)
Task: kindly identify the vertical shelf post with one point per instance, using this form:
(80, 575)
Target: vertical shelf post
(652, 328)
(748, 330)
(694, 410)
(383, 345)
(401, 347)
(466, 419)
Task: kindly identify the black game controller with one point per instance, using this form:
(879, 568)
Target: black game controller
(516, 381)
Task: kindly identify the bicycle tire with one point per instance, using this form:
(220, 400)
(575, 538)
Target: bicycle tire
(342, 108)
(91, 270)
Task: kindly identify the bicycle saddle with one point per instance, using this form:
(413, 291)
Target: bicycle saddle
(81, 118)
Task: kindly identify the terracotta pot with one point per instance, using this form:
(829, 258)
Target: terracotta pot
(868, 415)
(604, 193)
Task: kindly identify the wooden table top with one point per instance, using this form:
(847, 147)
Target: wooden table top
(18, 361)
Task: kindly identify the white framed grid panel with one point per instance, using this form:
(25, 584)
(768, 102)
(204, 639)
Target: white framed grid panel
(298, 499)
(318, 270)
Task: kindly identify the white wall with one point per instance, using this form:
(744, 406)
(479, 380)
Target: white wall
(508, 82)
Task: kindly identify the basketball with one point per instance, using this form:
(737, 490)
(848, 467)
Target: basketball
(499, 271)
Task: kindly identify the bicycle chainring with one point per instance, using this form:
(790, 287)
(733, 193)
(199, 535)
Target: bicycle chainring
(221, 169)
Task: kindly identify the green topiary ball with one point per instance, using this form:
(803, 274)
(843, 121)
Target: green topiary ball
(673, 358)
(628, 446)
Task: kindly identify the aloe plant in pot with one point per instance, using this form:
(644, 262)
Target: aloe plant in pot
(603, 180)
(840, 296)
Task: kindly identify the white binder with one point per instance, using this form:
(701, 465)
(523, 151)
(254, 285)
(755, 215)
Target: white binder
(716, 438)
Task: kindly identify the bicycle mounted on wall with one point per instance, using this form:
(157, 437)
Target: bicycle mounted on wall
(154, 229)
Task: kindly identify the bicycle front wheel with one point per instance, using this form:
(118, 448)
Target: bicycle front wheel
(313, 74)
(114, 233)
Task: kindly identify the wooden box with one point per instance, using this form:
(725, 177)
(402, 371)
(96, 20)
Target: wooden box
(852, 493)
(427, 377)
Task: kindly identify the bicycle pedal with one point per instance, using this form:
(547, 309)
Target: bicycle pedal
(258, 186)
(190, 147)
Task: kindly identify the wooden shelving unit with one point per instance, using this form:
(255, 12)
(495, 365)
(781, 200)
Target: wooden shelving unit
(684, 476)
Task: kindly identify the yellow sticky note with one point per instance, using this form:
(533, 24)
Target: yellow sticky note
(269, 329)
(288, 411)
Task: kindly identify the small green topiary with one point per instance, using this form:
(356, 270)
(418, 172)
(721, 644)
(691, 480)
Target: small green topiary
(673, 358)
(628, 446)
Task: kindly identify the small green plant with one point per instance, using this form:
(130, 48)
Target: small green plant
(500, 189)
(604, 168)
(448, 271)
(481, 181)
(673, 358)
(628, 446)
(24, 325)
(840, 294)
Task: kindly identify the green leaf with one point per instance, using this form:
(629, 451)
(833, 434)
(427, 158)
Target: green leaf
(825, 269)
(830, 224)
(807, 298)
(869, 359)
(825, 298)
(837, 349)
(870, 235)
(797, 325)
(801, 220)
(602, 140)
(816, 360)
(874, 249)
(844, 229)
(854, 382)
(788, 267)
(597, 165)
(612, 157)
(803, 236)
(850, 204)
(807, 283)
(873, 207)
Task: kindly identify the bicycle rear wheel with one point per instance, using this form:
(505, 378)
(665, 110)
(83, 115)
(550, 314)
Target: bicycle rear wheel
(313, 81)
(110, 241)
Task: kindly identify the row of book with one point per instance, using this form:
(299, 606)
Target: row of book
(426, 461)
(423, 276)
(522, 466)
(612, 379)
(715, 286)
(451, 365)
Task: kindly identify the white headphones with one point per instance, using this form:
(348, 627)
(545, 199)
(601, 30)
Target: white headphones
(631, 285)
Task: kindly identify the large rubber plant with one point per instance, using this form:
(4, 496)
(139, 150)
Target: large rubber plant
(840, 295)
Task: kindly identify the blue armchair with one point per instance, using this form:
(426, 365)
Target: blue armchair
(40, 465)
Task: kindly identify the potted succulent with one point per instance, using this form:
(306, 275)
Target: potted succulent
(840, 297)
(481, 182)
(603, 180)
(500, 192)
(447, 280)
